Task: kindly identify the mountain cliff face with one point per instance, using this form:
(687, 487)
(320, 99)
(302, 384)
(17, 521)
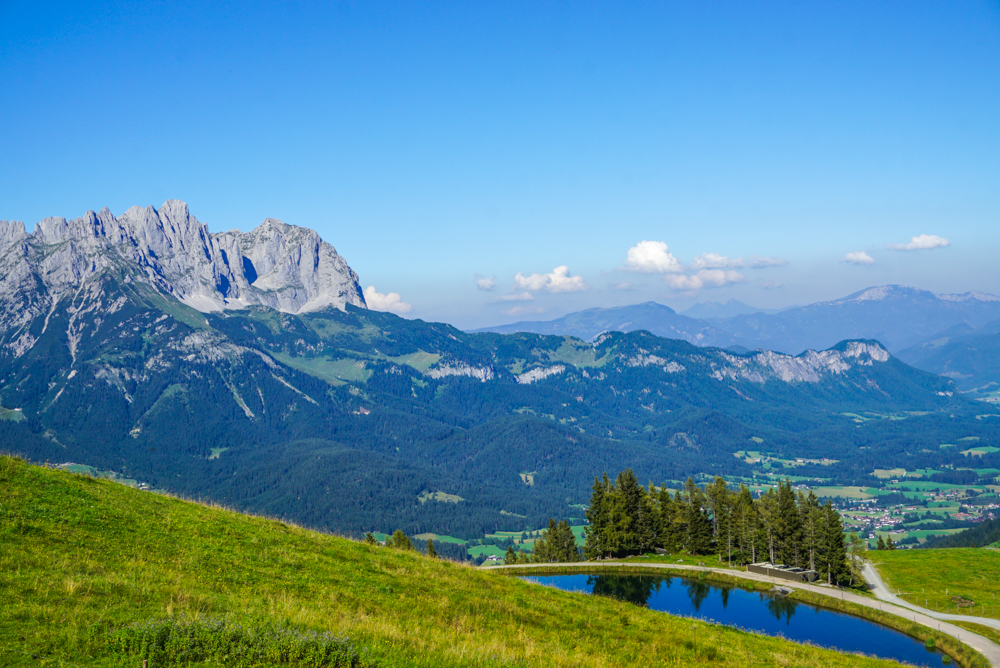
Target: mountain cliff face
(287, 268)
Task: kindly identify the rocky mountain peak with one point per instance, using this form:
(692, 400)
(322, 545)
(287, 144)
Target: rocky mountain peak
(285, 267)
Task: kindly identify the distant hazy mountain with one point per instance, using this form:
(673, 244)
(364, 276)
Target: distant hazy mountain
(718, 310)
(896, 316)
(654, 318)
(969, 356)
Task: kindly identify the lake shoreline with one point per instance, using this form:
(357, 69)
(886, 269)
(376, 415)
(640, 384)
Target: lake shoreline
(966, 648)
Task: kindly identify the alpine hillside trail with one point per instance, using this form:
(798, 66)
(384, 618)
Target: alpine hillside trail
(883, 593)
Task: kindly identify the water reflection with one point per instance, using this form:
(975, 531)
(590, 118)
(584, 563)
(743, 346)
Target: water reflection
(753, 611)
(781, 607)
(632, 589)
(637, 589)
(698, 591)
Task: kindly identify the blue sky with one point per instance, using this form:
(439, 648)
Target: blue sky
(752, 146)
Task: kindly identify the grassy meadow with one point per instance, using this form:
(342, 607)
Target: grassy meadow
(943, 578)
(83, 561)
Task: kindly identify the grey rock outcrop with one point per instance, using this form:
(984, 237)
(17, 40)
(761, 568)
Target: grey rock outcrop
(284, 267)
(809, 367)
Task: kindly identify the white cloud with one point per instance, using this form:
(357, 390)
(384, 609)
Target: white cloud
(485, 283)
(652, 257)
(517, 310)
(391, 302)
(712, 278)
(558, 281)
(757, 262)
(714, 261)
(770, 285)
(859, 257)
(620, 285)
(717, 261)
(921, 242)
(515, 297)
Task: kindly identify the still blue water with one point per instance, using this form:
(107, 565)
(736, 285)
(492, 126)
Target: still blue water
(752, 611)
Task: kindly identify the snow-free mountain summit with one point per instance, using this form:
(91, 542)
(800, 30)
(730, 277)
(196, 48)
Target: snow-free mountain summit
(284, 267)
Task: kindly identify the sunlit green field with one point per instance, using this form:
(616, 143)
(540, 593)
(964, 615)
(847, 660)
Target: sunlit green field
(948, 579)
(82, 558)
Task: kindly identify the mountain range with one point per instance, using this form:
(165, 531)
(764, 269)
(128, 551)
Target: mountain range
(907, 321)
(245, 368)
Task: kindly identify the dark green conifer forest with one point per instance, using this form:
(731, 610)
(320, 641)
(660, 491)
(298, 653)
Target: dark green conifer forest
(782, 526)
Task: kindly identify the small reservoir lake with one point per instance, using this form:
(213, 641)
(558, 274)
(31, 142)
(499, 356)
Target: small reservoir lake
(752, 611)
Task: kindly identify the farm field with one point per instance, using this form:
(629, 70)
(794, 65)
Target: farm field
(99, 557)
(962, 580)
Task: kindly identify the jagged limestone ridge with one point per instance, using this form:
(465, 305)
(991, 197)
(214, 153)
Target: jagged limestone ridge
(282, 266)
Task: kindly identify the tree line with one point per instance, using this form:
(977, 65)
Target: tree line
(782, 526)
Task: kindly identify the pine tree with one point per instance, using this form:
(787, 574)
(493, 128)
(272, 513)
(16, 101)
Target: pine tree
(697, 525)
(720, 502)
(810, 519)
(596, 533)
(789, 528)
(565, 543)
(881, 544)
(667, 533)
(626, 514)
(746, 524)
(767, 510)
(399, 540)
(890, 544)
(510, 557)
(557, 545)
(370, 539)
(431, 552)
(832, 555)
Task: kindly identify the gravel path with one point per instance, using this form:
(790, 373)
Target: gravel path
(883, 593)
(890, 604)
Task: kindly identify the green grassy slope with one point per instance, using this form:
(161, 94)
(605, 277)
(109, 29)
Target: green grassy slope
(960, 580)
(81, 557)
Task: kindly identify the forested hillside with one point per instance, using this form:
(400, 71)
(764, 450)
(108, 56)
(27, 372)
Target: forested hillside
(354, 420)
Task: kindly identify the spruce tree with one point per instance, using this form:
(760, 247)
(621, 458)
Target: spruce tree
(565, 543)
(667, 533)
(399, 540)
(789, 527)
(811, 517)
(627, 515)
(697, 524)
(767, 510)
(720, 501)
(596, 533)
(746, 524)
(832, 555)
(431, 552)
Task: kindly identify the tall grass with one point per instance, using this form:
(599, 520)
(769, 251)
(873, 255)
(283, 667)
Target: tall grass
(79, 554)
(172, 642)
